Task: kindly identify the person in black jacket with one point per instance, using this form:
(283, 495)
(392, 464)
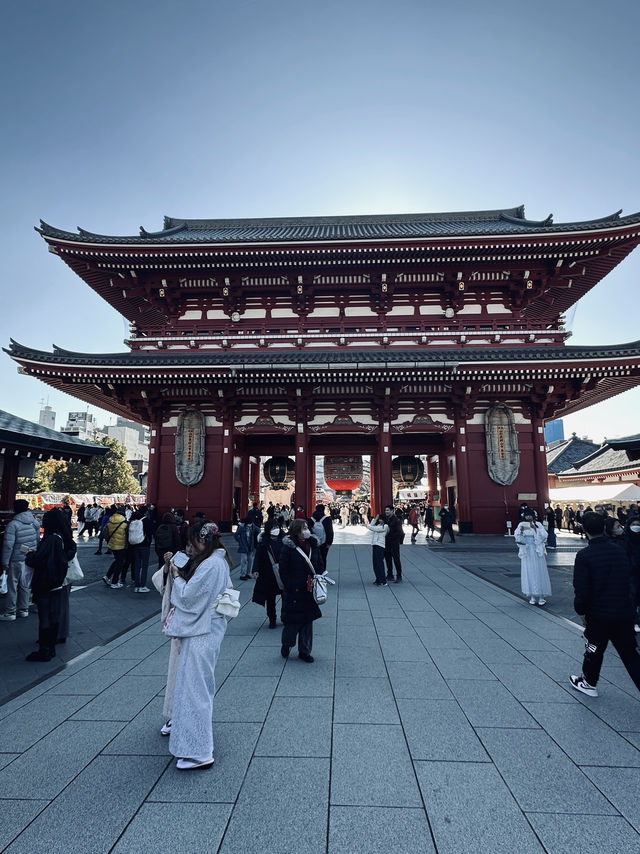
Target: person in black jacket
(327, 523)
(299, 608)
(267, 589)
(602, 585)
(392, 544)
(446, 524)
(50, 563)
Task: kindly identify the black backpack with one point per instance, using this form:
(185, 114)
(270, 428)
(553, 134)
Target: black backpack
(164, 538)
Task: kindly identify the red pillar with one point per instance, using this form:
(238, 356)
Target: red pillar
(540, 463)
(302, 473)
(254, 488)
(432, 477)
(153, 473)
(384, 473)
(373, 487)
(243, 504)
(9, 481)
(465, 523)
(226, 477)
(443, 475)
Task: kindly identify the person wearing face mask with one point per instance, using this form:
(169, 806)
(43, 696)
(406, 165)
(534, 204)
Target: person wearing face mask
(531, 538)
(266, 564)
(299, 608)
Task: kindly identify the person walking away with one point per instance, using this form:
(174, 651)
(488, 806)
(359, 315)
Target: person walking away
(379, 529)
(551, 518)
(601, 582)
(21, 535)
(244, 537)
(70, 550)
(140, 535)
(299, 608)
(446, 524)
(326, 522)
(201, 629)
(559, 515)
(413, 521)
(117, 540)
(393, 538)
(266, 563)
(49, 563)
(430, 521)
(81, 516)
(104, 521)
(166, 538)
(534, 575)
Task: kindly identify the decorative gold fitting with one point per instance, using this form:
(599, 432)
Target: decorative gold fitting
(161, 292)
(385, 287)
(461, 286)
(225, 292)
(529, 285)
(299, 289)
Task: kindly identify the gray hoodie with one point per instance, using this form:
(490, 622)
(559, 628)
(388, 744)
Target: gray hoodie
(22, 530)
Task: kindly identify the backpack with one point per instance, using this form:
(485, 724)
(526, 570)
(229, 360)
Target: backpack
(164, 538)
(319, 533)
(136, 532)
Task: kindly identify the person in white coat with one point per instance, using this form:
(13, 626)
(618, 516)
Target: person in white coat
(531, 538)
(379, 529)
(193, 619)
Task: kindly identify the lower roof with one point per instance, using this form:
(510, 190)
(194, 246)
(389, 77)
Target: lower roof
(18, 434)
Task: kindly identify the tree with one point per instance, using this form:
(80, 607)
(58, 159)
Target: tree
(105, 474)
(42, 478)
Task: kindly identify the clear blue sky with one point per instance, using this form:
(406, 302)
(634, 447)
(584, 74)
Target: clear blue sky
(115, 114)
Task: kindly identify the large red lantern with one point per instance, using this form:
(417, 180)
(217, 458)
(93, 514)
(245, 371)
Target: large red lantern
(343, 474)
(407, 470)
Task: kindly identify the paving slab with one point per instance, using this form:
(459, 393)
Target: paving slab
(378, 830)
(198, 826)
(438, 729)
(596, 834)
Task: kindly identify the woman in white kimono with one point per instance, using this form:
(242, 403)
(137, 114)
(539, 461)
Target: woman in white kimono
(201, 630)
(534, 575)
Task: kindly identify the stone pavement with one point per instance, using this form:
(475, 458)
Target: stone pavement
(437, 717)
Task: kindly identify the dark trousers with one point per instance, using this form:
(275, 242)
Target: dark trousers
(392, 556)
(270, 605)
(446, 529)
(49, 606)
(378, 563)
(324, 551)
(303, 632)
(118, 569)
(598, 633)
(140, 564)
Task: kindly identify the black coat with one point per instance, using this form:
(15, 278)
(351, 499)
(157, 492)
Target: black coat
(298, 605)
(49, 563)
(266, 584)
(602, 582)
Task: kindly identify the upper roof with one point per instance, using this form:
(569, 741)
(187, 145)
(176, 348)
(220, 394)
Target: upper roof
(20, 434)
(504, 221)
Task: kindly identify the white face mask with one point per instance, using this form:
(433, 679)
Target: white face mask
(275, 532)
(635, 529)
(306, 534)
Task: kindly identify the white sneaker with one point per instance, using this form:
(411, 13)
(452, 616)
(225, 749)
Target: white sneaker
(581, 684)
(23, 613)
(636, 628)
(542, 601)
(532, 601)
(143, 590)
(117, 586)
(7, 618)
(136, 590)
(193, 764)
(166, 728)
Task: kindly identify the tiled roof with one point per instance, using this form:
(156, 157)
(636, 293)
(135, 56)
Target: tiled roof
(18, 433)
(565, 453)
(605, 459)
(507, 221)
(378, 356)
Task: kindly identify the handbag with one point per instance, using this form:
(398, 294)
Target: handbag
(319, 587)
(228, 603)
(74, 571)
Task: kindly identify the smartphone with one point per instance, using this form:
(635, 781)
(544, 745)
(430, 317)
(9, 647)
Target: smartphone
(180, 559)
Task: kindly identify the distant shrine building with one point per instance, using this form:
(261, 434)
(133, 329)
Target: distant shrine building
(439, 335)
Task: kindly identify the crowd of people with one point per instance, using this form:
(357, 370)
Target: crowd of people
(283, 549)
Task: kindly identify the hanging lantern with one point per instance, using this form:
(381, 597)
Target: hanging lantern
(343, 474)
(407, 470)
(279, 471)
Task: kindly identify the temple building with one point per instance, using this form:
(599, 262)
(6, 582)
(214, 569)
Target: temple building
(432, 335)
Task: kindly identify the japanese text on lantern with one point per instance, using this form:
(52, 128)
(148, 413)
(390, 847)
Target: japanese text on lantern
(502, 451)
(190, 441)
